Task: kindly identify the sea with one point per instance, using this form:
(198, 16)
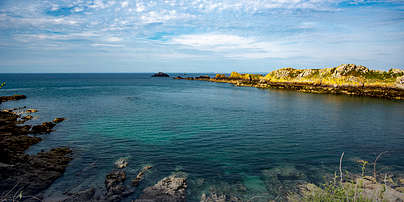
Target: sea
(254, 144)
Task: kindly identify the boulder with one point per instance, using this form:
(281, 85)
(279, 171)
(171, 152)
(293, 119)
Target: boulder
(161, 74)
(169, 189)
(350, 70)
(396, 71)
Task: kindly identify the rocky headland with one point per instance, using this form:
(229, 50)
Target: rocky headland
(346, 79)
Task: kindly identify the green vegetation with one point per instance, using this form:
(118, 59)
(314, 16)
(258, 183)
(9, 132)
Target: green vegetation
(343, 75)
(351, 188)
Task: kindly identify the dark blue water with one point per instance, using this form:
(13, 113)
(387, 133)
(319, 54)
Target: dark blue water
(245, 141)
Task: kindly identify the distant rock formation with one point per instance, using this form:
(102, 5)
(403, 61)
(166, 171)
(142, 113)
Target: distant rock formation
(160, 74)
(347, 79)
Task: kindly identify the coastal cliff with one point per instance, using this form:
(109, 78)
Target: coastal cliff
(347, 79)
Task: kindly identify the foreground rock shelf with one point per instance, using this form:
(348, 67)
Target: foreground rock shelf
(22, 175)
(348, 79)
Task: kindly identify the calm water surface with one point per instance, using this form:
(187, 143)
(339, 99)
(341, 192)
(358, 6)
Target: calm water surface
(245, 141)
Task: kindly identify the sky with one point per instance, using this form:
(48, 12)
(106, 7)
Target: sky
(68, 36)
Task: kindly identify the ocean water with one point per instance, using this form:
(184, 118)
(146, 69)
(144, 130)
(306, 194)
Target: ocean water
(248, 142)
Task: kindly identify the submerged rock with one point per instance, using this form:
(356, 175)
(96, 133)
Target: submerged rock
(160, 74)
(169, 189)
(121, 163)
(214, 197)
(81, 196)
(139, 176)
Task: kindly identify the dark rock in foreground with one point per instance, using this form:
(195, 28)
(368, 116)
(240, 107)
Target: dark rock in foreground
(161, 74)
(114, 184)
(23, 173)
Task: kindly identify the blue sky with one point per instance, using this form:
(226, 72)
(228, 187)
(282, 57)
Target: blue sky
(198, 36)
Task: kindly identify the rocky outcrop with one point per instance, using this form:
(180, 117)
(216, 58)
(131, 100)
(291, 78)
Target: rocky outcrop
(23, 173)
(169, 189)
(160, 74)
(350, 70)
(400, 82)
(32, 174)
(44, 128)
(115, 187)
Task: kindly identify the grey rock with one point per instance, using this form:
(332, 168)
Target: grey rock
(169, 189)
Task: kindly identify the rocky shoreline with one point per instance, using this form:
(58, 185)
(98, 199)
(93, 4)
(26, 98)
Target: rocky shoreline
(348, 79)
(24, 176)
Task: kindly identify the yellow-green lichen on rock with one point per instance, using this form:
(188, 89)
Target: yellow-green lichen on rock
(235, 75)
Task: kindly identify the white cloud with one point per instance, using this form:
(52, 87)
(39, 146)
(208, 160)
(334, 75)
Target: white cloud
(106, 45)
(113, 39)
(235, 46)
(124, 4)
(164, 15)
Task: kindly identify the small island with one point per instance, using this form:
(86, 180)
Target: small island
(160, 74)
(349, 79)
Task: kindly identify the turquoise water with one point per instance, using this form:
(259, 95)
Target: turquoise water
(249, 142)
